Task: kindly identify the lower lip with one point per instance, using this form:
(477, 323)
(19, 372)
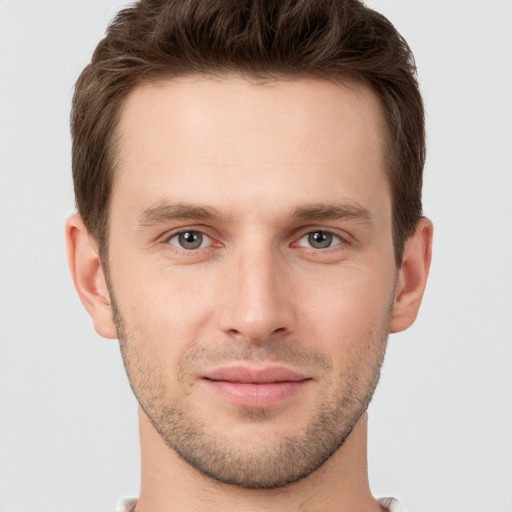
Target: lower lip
(256, 395)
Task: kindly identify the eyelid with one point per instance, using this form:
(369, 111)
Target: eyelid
(343, 238)
(205, 242)
(169, 235)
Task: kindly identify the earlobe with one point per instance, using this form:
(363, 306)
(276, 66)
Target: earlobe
(412, 277)
(88, 276)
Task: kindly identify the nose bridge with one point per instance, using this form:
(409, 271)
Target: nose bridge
(256, 303)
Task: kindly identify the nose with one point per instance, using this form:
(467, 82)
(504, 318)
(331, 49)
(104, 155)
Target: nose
(257, 297)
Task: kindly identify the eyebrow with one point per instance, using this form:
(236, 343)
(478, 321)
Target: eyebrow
(165, 212)
(321, 212)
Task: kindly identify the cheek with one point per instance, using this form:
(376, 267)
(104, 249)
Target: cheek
(163, 312)
(351, 326)
(159, 291)
(349, 321)
(348, 301)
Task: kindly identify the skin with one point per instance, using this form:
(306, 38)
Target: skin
(255, 169)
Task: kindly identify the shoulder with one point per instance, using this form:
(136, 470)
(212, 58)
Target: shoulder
(126, 505)
(390, 504)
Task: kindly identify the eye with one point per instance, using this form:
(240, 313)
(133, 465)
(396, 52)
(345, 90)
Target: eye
(190, 240)
(319, 240)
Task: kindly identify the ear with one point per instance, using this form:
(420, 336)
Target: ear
(412, 277)
(88, 276)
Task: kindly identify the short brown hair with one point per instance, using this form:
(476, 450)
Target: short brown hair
(326, 39)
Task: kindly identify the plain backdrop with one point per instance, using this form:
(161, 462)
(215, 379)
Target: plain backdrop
(441, 420)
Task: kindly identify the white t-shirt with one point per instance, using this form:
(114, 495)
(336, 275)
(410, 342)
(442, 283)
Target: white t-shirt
(392, 505)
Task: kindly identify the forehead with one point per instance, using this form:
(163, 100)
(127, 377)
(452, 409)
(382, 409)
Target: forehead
(210, 137)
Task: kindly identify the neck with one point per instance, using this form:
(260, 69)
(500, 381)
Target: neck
(169, 483)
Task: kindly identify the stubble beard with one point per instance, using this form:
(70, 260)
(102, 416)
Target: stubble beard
(266, 464)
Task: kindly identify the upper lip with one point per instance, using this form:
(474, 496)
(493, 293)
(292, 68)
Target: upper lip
(247, 375)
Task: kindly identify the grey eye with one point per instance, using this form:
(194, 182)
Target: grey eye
(189, 240)
(320, 239)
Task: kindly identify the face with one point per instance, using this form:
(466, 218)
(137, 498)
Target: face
(251, 268)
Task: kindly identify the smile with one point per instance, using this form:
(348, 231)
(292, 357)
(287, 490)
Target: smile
(255, 388)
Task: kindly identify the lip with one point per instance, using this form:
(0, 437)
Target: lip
(250, 387)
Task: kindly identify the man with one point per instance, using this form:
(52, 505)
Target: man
(248, 182)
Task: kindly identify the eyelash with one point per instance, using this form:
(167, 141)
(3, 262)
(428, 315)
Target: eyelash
(334, 236)
(183, 232)
(341, 241)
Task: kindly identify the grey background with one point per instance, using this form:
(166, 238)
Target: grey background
(441, 420)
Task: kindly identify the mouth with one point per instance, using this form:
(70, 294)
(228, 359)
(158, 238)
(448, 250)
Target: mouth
(255, 387)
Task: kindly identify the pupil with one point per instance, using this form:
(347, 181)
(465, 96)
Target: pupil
(191, 240)
(320, 239)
